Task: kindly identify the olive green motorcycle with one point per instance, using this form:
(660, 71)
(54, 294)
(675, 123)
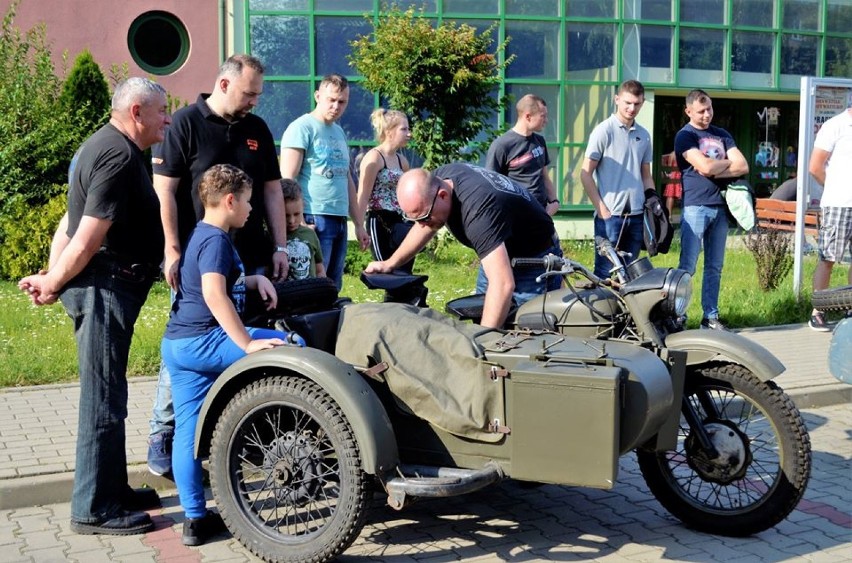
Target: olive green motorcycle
(401, 400)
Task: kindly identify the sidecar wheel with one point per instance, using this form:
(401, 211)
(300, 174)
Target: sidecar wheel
(286, 472)
(837, 299)
(765, 460)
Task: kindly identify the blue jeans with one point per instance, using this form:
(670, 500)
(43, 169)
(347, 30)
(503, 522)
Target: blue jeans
(104, 306)
(707, 226)
(630, 240)
(332, 234)
(194, 364)
(163, 415)
(525, 285)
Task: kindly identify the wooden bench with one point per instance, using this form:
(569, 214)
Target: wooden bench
(779, 215)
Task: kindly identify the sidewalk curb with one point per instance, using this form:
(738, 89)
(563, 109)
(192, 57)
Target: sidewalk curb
(52, 488)
(56, 487)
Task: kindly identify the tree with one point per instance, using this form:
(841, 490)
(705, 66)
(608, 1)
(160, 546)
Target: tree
(38, 137)
(85, 91)
(444, 78)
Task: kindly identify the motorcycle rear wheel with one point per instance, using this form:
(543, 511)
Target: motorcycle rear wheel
(764, 478)
(286, 474)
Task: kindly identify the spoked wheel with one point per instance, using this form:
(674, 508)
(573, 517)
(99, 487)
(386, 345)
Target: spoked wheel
(764, 459)
(286, 471)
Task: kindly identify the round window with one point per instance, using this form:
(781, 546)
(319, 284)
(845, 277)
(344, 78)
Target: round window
(158, 42)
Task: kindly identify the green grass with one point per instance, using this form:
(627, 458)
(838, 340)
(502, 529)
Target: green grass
(37, 343)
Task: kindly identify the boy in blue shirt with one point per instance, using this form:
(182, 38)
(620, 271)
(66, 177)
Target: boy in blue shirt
(205, 334)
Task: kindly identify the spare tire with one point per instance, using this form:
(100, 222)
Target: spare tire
(838, 299)
(295, 297)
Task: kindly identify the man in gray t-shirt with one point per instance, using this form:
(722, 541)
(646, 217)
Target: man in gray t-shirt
(616, 172)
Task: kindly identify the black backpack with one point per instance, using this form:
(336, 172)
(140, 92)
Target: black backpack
(657, 231)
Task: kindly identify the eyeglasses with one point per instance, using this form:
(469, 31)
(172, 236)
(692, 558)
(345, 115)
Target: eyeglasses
(426, 216)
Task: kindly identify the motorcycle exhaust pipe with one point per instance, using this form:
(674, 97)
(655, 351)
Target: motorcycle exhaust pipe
(438, 482)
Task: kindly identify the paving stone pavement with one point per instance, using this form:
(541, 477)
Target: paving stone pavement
(502, 523)
(505, 522)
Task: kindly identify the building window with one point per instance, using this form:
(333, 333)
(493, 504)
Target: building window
(801, 14)
(702, 11)
(158, 42)
(751, 59)
(756, 13)
(591, 51)
(838, 57)
(536, 48)
(701, 56)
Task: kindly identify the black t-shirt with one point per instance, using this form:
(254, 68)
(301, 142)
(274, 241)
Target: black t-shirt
(523, 159)
(489, 209)
(196, 140)
(110, 180)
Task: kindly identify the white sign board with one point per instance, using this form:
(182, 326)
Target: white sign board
(820, 100)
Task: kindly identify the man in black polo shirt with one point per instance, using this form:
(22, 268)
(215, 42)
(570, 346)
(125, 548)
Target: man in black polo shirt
(218, 128)
(487, 212)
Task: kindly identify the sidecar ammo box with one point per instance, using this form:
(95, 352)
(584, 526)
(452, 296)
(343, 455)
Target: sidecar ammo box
(564, 412)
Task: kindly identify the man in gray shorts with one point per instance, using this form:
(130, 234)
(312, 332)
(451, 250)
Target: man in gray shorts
(831, 166)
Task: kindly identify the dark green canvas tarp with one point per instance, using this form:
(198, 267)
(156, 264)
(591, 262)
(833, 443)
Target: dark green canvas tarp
(433, 364)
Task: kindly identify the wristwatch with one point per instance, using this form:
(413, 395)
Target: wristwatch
(552, 201)
(280, 248)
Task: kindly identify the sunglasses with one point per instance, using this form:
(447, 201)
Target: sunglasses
(426, 216)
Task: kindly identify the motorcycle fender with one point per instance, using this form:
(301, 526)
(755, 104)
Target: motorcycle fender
(360, 404)
(838, 351)
(704, 346)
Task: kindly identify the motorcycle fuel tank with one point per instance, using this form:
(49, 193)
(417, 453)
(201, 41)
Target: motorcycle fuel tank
(589, 313)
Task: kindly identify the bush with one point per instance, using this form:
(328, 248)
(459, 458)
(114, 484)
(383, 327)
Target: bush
(86, 93)
(27, 232)
(356, 259)
(771, 251)
(444, 78)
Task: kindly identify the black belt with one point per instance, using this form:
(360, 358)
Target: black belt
(125, 267)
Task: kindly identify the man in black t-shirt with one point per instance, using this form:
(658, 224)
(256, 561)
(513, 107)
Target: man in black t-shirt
(487, 212)
(521, 153)
(104, 258)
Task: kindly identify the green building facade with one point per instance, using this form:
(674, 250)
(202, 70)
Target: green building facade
(748, 54)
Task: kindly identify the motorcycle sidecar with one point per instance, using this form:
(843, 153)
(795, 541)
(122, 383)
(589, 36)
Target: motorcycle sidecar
(425, 406)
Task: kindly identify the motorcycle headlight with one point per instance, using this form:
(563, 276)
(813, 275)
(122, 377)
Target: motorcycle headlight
(678, 291)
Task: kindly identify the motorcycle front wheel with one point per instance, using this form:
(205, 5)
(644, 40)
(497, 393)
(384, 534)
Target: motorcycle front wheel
(285, 470)
(764, 459)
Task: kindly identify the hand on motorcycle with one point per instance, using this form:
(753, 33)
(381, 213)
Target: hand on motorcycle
(265, 289)
(377, 267)
(280, 265)
(263, 344)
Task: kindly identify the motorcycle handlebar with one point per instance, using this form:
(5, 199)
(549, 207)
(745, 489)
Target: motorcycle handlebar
(557, 265)
(550, 262)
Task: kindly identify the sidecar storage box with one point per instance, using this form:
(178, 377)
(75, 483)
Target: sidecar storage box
(565, 421)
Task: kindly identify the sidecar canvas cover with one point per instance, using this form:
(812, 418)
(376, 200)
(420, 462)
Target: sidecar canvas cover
(434, 364)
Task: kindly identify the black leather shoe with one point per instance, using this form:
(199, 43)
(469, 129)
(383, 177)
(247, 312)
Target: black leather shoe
(122, 524)
(140, 499)
(197, 531)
